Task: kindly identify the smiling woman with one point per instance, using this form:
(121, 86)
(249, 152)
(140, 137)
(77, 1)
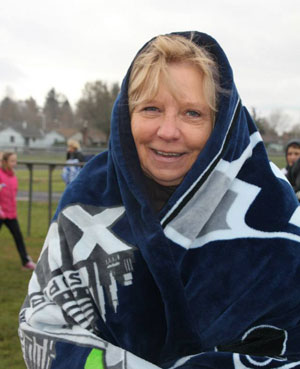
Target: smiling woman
(170, 131)
(178, 247)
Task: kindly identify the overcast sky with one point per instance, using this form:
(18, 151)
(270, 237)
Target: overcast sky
(64, 44)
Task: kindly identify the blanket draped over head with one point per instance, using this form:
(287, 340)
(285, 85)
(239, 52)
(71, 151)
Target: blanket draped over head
(210, 281)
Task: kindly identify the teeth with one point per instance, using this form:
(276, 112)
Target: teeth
(168, 153)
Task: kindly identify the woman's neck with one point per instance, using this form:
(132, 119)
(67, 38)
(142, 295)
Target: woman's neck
(158, 194)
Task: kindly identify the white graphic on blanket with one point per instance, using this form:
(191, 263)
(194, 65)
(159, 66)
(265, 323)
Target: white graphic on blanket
(89, 283)
(71, 293)
(113, 258)
(266, 344)
(38, 352)
(95, 229)
(250, 362)
(218, 209)
(232, 210)
(273, 334)
(185, 227)
(270, 339)
(197, 212)
(52, 242)
(228, 221)
(295, 218)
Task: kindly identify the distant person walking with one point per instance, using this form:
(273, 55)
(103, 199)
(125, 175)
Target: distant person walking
(8, 206)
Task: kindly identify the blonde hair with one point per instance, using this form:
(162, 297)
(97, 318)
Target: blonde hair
(152, 64)
(73, 143)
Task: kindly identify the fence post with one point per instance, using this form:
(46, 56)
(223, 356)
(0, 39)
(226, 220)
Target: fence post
(30, 168)
(51, 168)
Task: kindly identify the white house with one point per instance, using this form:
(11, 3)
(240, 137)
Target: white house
(21, 136)
(48, 139)
(10, 138)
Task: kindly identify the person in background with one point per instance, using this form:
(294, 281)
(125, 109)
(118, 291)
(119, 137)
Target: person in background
(292, 154)
(8, 205)
(179, 246)
(293, 165)
(74, 151)
(70, 171)
(74, 157)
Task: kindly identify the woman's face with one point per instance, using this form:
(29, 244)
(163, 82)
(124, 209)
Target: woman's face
(170, 133)
(11, 162)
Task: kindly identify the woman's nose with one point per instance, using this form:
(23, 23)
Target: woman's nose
(169, 127)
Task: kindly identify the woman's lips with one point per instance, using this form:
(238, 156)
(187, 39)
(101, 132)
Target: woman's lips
(169, 156)
(167, 153)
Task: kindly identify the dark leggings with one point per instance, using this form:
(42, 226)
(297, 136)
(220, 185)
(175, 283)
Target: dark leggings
(13, 226)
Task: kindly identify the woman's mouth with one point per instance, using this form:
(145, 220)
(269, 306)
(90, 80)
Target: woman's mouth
(167, 154)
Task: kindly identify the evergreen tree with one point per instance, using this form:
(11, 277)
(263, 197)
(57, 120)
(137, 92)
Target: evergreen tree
(51, 109)
(66, 115)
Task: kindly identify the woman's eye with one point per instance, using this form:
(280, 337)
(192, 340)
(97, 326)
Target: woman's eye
(193, 114)
(150, 108)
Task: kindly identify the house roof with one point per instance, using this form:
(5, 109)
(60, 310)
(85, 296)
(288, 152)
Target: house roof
(67, 132)
(94, 135)
(26, 130)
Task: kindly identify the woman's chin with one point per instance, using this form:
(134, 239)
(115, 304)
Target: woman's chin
(165, 179)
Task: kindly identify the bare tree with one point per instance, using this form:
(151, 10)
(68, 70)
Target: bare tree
(96, 103)
(262, 123)
(10, 111)
(31, 113)
(280, 121)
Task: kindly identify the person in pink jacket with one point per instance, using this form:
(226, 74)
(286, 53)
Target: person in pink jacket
(8, 206)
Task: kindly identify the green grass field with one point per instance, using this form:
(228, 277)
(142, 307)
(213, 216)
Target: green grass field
(278, 160)
(42, 156)
(40, 179)
(41, 172)
(14, 281)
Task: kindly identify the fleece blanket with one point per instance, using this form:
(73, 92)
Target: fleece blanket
(211, 281)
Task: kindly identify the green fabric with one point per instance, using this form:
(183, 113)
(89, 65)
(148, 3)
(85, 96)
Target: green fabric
(94, 360)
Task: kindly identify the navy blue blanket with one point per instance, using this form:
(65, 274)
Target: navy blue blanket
(211, 281)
